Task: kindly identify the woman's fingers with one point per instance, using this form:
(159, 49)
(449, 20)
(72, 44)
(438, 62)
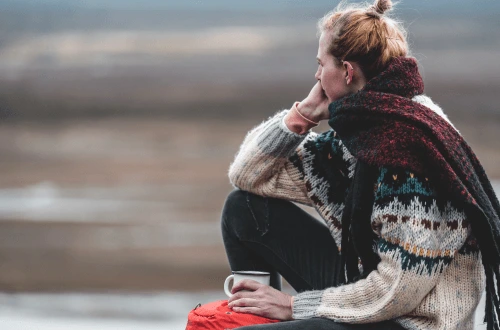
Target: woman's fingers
(267, 302)
(315, 105)
(244, 302)
(246, 285)
(244, 289)
(250, 310)
(321, 100)
(318, 91)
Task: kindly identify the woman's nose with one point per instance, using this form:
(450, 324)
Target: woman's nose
(318, 74)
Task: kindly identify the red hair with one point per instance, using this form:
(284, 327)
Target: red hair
(363, 34)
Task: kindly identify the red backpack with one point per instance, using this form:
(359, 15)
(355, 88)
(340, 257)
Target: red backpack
(218, 316)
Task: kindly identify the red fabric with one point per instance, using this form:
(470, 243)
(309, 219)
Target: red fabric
(218, 316)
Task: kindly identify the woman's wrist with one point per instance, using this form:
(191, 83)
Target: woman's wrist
(297, 122)
(308, 112)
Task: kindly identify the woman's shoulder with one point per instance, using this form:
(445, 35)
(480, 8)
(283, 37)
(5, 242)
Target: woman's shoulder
(327, 150)
(426, 101)
(328, 142)
(325, 163)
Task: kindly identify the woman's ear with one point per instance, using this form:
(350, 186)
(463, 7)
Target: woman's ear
(349, 71)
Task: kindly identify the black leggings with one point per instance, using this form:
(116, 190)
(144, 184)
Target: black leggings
(276, 236)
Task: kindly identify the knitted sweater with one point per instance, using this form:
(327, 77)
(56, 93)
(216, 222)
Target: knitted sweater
(430, 275)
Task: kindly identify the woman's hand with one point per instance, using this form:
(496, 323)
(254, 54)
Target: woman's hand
(315, 105)
(262, 300)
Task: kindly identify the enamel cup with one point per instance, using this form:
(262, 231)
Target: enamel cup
(261, 277)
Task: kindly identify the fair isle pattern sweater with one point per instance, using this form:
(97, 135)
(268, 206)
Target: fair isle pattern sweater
(430, 275)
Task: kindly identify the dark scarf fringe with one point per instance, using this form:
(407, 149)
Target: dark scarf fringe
(487, 237)
(357, 234)
(492, 309)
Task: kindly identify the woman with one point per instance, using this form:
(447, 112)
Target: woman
(412, 227)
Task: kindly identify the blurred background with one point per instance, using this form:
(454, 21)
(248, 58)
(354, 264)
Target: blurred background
(118, 122)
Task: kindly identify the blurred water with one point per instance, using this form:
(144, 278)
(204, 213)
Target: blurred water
(153, 311)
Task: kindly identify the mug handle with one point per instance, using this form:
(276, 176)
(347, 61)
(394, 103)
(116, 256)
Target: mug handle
(226, 285)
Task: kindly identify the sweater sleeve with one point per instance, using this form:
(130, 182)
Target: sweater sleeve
(262, 164)
(419, 234)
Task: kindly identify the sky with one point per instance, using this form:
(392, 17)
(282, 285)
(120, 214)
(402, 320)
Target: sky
(442, 5)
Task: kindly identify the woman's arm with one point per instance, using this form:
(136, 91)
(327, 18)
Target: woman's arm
(261, 165)
(420, 234)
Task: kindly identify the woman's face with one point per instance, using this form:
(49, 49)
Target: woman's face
(332, 77)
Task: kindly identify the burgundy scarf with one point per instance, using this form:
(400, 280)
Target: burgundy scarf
(382, 126)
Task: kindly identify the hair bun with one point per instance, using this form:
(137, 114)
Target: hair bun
(381, 6)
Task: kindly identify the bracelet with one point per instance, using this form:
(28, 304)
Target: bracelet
(306, 119)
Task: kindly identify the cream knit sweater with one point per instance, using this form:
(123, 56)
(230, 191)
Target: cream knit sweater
(430, 275)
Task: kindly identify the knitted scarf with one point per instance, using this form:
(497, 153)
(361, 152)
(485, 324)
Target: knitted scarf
(381, 126)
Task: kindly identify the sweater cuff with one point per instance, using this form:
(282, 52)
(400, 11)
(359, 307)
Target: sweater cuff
(276, 139)
(306, 304)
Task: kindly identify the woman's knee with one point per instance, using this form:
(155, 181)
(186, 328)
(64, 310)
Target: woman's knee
(236, 196)
(235, 203)
(246, 212)
(234, 207)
